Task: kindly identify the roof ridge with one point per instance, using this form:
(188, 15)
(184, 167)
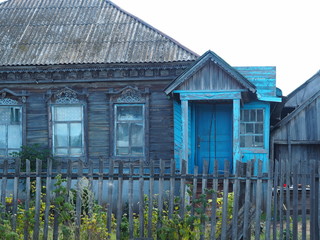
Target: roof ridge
(152, 28)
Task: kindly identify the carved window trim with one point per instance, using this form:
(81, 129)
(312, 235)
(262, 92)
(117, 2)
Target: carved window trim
(68, 97)
(9, 98)
(127, 96)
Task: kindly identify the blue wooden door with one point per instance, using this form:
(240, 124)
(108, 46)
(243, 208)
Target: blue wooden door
(213, 133)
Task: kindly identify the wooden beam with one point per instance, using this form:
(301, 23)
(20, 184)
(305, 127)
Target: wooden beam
(185, 133)
(236, 132)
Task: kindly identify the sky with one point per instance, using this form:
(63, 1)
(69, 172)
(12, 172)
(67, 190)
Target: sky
(281, 33)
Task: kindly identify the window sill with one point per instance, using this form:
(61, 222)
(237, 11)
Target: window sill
(253, 150)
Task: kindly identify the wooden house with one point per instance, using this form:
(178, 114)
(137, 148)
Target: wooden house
(88, 80)
(297, 136)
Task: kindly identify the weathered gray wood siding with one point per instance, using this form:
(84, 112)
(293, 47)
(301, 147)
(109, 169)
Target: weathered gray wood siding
(298, 139)
(210, 77)
(98, 130)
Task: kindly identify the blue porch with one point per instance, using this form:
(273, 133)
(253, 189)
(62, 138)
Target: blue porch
(220, 115)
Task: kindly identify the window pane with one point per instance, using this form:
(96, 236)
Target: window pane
(137, 134)
(5, 116)
(252, 115)
(246, 115)
(242, 128)
(129, 112)
(76, 151)
(249, 128)
(61, 151)
(248, 141)
(3, 134)
(61, 135)
(14, 136)
(75, 134)
(137, 150)
(260, 115)
(72, 113)
(122, 135)
(122, 151)
(258, 141)
(259, 128)
(15, 115)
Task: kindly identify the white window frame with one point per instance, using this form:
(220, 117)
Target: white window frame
(68, 124)
(7, 149)
(116, 121)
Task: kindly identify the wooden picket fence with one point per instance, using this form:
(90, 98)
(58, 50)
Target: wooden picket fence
(273, 205)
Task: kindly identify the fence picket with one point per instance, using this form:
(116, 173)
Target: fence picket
(288, 200)
(160, 199)
(183, 188)
(151, 189)
(48, 197)
(258, 201)
(214, 200)
(131, 171)
(119, 200)
(225, 201)
(100, 181)
(141, 200)
(195, 188)
(15, 194)
(38, 199)
(172, 191)
(269, 201)
(4, 183)
(304, 209)
(78, 200)
(109, 197)
(275, 199)
(295, 204)
(247, 202)
(56, 212)
(27, 201)
(235, 210)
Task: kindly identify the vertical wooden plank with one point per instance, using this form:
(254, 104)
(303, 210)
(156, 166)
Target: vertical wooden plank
(204, 189)
(235, 209)
(109, 198)
(151, 189)
(100, 182)
(141, 199)
(119, 200)
(172, 181)
(185, 130)
(131, 172)
(195, 186)
(225, 200)
(295, 203)
(4, 183)
(78, 200)
(236, 131)
(15, 193)
(38, 199)
(214, 200)
(288, 205)
(275, 196)
(304, 206)
(258, 201)
(183, 188)
(48, 197)
(160, 200)
(91, 199)
(69, 179)
(269, 201)
(281, 200)
(247, 202)
(313, 210)
(56, 213)
(27, 202)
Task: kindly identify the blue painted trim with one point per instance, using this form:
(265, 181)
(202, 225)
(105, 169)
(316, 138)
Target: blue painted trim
(269, 99)
(236, 132)
(209, 91)
(177, 133)
(210, 95)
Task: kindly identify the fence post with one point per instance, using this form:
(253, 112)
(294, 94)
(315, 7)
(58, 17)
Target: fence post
(78, 200)
(48, 197)
(151, 189)
(109, 199)
(214, 200)
(27, 202)
(38, 199)
(15, 193)
(119, 200)
(236, 191)
(183, 188)
(258, 200)
(225, 200)
(247, 202)
(141, 199)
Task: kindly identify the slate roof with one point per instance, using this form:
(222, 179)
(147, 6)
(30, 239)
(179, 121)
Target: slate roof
(47, 32)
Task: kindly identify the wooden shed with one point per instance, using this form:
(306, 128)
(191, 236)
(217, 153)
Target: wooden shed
(297, 136)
